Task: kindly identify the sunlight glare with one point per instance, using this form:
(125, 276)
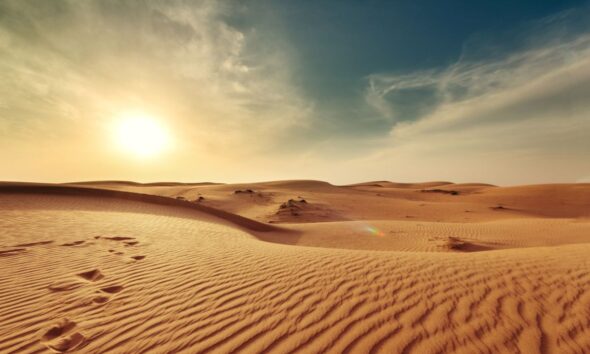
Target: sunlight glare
(141, 135)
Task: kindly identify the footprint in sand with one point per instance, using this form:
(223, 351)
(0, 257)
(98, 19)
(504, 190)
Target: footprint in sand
(20, 248)
(64, 285)
(100, 299)
(115, 238)
(91, 275)
(75, 243)
(138, 258)
(112, 289)
(95, 275)
(59, 328)
(116, 252)
(131, 243)
(12, 252)
(71, 284)
(60, 338)
(33, 244)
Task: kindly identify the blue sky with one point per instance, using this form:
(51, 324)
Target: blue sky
(339, 44)
(343, 91)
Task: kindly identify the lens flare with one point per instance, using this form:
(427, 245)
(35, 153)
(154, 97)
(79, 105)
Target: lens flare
(374, 231)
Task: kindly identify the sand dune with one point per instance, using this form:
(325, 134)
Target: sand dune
(388, 184)
(219, 215)
(128, 268)
(473, 202)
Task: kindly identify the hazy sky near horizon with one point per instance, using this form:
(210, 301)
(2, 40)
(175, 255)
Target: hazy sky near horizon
(343, 91)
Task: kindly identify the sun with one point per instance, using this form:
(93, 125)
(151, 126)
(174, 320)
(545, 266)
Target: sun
(141, 135)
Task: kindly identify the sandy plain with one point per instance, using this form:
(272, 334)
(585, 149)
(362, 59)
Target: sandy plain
(294, 266)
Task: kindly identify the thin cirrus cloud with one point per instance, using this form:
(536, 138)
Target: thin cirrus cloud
(526, 109)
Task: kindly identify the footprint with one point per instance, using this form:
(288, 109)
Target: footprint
(75, 243)
(67, 343)
(58, 340)
(138, 258)
(64, 285)
(117, 238)
(100, 299)
(62, 326)
(91, 275)
(131, 243)
(112, 289)
(12, 252)
(33, 244)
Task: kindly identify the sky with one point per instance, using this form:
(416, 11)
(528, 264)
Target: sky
(254, 90)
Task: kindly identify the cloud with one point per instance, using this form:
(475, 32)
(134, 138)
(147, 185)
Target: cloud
(70, 66)
(529, 105)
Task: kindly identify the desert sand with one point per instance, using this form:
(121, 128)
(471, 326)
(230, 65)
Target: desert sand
(294, 266)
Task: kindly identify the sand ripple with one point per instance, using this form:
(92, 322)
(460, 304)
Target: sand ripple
(190, 286)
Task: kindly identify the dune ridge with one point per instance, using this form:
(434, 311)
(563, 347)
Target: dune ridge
(146, 198)
(147, 184)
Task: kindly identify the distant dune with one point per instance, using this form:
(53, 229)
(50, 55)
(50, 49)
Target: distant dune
(388, 184)
(294, 266)
(150, 184)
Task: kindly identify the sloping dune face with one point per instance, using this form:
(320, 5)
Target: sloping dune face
(96, 276)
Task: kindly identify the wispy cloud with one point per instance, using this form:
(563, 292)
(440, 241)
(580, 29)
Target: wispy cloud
(470, 79)
(71, 63)
(530, 103)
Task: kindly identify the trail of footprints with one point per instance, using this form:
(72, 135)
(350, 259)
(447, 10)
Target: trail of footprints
(20, 248)
(62, 336)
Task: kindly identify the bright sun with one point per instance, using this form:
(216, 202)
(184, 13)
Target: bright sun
(141, 135)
